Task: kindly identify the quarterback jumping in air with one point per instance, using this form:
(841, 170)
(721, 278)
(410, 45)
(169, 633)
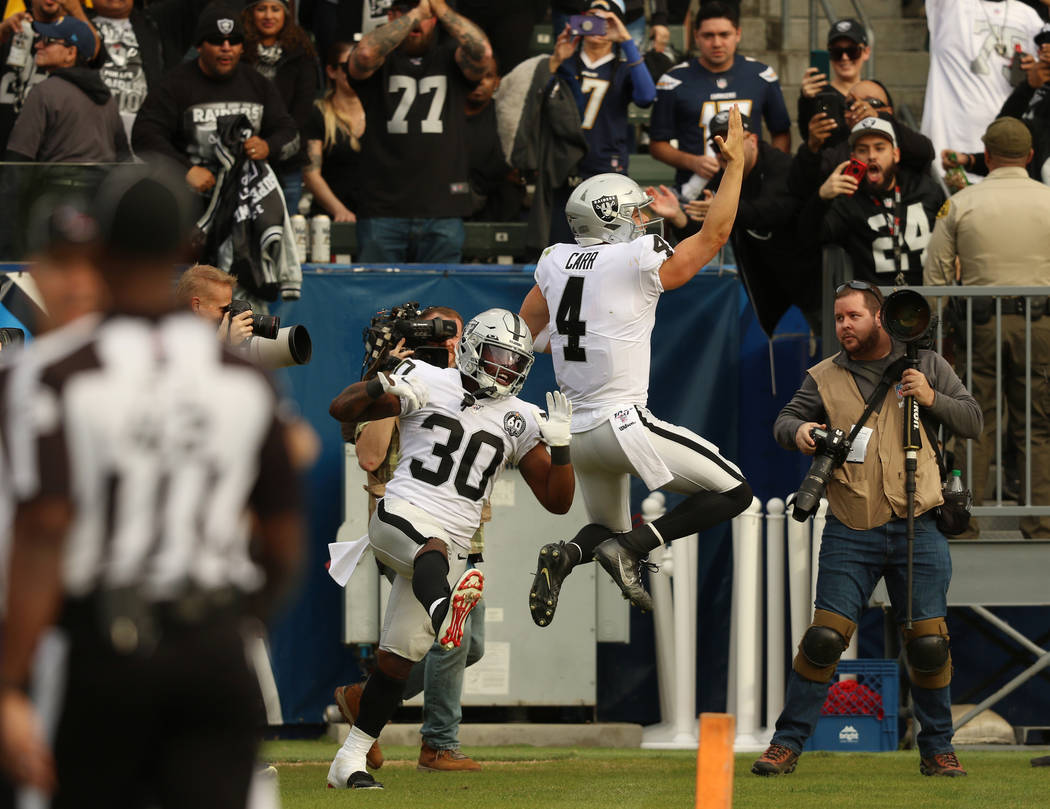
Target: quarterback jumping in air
(604, 290)
(458, 426)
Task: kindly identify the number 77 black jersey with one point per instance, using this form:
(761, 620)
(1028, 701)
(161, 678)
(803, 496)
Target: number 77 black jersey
(451, 454)
(602, 304)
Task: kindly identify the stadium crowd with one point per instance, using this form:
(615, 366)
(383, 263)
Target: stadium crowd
(410, 118)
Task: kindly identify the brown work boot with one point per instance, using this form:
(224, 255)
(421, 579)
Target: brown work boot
(348, 698)
(445, 760)
(777, 760)
(941, 764)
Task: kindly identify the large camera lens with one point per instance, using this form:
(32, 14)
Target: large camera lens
(266, 326)
(812, 487)
(906, 315)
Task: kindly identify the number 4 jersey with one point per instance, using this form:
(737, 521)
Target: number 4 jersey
(602, 301)
(451, 454)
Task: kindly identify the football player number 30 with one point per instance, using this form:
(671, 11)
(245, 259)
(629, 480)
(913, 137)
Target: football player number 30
(567, 319)
(446, 451)
(435, 86)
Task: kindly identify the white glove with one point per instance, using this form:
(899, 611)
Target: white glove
(413, 393)
(555, 423)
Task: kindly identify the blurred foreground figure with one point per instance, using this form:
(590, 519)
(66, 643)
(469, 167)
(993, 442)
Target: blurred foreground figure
(139, 450)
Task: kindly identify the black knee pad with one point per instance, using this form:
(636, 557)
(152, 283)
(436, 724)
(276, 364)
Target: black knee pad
(822, 645)
(927, 653)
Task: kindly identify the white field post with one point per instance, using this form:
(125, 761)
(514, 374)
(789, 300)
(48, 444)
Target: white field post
(776, 602)
(714, 761)
(747, 626)
(660, 588)
(683, 583)
(798, 577)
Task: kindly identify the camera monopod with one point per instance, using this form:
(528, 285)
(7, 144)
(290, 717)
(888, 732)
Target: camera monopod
(906, 317)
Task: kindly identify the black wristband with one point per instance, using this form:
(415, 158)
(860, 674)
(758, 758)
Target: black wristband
(560, 455)
(374, 388)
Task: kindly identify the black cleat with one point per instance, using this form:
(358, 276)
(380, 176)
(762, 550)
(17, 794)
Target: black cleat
(362, 780)
(551, 570)
(624, 565)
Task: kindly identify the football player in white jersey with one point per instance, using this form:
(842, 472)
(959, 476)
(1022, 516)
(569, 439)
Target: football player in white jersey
(603, 293)
(459, 426)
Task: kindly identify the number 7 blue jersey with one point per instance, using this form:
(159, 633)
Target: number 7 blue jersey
(689, 95)
(602, 304)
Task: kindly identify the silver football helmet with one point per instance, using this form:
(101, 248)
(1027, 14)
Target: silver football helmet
(601, 210)
(496, 352)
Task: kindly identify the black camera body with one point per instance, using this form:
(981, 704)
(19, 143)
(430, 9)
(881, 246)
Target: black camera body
(832, 448)
(262, 325)
(425, 337)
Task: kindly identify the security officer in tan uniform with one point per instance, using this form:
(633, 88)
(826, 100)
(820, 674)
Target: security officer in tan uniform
(998, 231)
(865, 536)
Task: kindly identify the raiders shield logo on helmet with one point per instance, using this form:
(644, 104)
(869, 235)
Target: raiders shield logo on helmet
(225, 25)
(606, 208)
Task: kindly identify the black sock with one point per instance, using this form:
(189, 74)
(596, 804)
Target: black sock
(583, 544)
(430, 578)
(696, 513)
(379, 700)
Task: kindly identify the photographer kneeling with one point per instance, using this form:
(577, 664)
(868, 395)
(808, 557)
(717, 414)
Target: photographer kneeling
(865, 536)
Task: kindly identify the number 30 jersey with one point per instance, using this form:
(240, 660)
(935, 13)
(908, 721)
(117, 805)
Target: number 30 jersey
(451, 455)
(602, 304)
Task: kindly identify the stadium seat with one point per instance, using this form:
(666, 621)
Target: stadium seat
(645, 170)
(483, 240)
(541, 40)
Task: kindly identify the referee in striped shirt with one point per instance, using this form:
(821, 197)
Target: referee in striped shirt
(143, 457)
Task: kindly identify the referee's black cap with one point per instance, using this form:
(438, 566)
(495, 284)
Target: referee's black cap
(143, 210)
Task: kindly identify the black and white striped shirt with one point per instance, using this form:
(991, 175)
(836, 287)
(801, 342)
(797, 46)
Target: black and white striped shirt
(160, 440)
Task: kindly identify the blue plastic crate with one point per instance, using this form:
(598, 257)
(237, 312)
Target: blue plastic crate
(862, 732)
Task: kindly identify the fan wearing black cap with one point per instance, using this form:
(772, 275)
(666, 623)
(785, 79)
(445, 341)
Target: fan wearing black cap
(129, 533)
(413, 76)
(848, 51)
(71, 116)
(884, 220)
(179, 117)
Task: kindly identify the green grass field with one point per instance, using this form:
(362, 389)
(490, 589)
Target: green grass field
(606, 778)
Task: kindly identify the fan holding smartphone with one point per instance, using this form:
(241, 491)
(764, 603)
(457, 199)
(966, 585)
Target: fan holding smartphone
(830, 76)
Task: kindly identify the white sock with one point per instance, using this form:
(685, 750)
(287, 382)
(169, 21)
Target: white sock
(351, 757)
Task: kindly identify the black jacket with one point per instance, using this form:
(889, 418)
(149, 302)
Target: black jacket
(777, 269)
(862, 226)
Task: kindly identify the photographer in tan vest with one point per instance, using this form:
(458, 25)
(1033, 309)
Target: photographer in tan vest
(865, 535)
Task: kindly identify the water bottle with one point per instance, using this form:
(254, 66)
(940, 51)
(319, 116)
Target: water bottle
(954, 482)
(21, 46)
(321, 239)
(955, 177)
(301, 231)
(693, 187)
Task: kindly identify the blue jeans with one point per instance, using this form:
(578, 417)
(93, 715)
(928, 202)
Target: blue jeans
(292, 188)
(383, 239)
(439, 676)
(851, 563)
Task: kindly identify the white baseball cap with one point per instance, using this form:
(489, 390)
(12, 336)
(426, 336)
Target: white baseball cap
(873, 126)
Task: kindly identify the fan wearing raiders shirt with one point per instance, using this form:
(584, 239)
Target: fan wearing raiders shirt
(413, 76)
(459, 427)
(602, 293)
(690, 94)
(139, 45)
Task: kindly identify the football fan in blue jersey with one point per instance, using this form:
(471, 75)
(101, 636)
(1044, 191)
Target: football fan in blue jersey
(606, 73)
(689, 95)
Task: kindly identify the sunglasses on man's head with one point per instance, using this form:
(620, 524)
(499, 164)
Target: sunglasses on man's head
(218, 39)
(860, 286)
(852, 51)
